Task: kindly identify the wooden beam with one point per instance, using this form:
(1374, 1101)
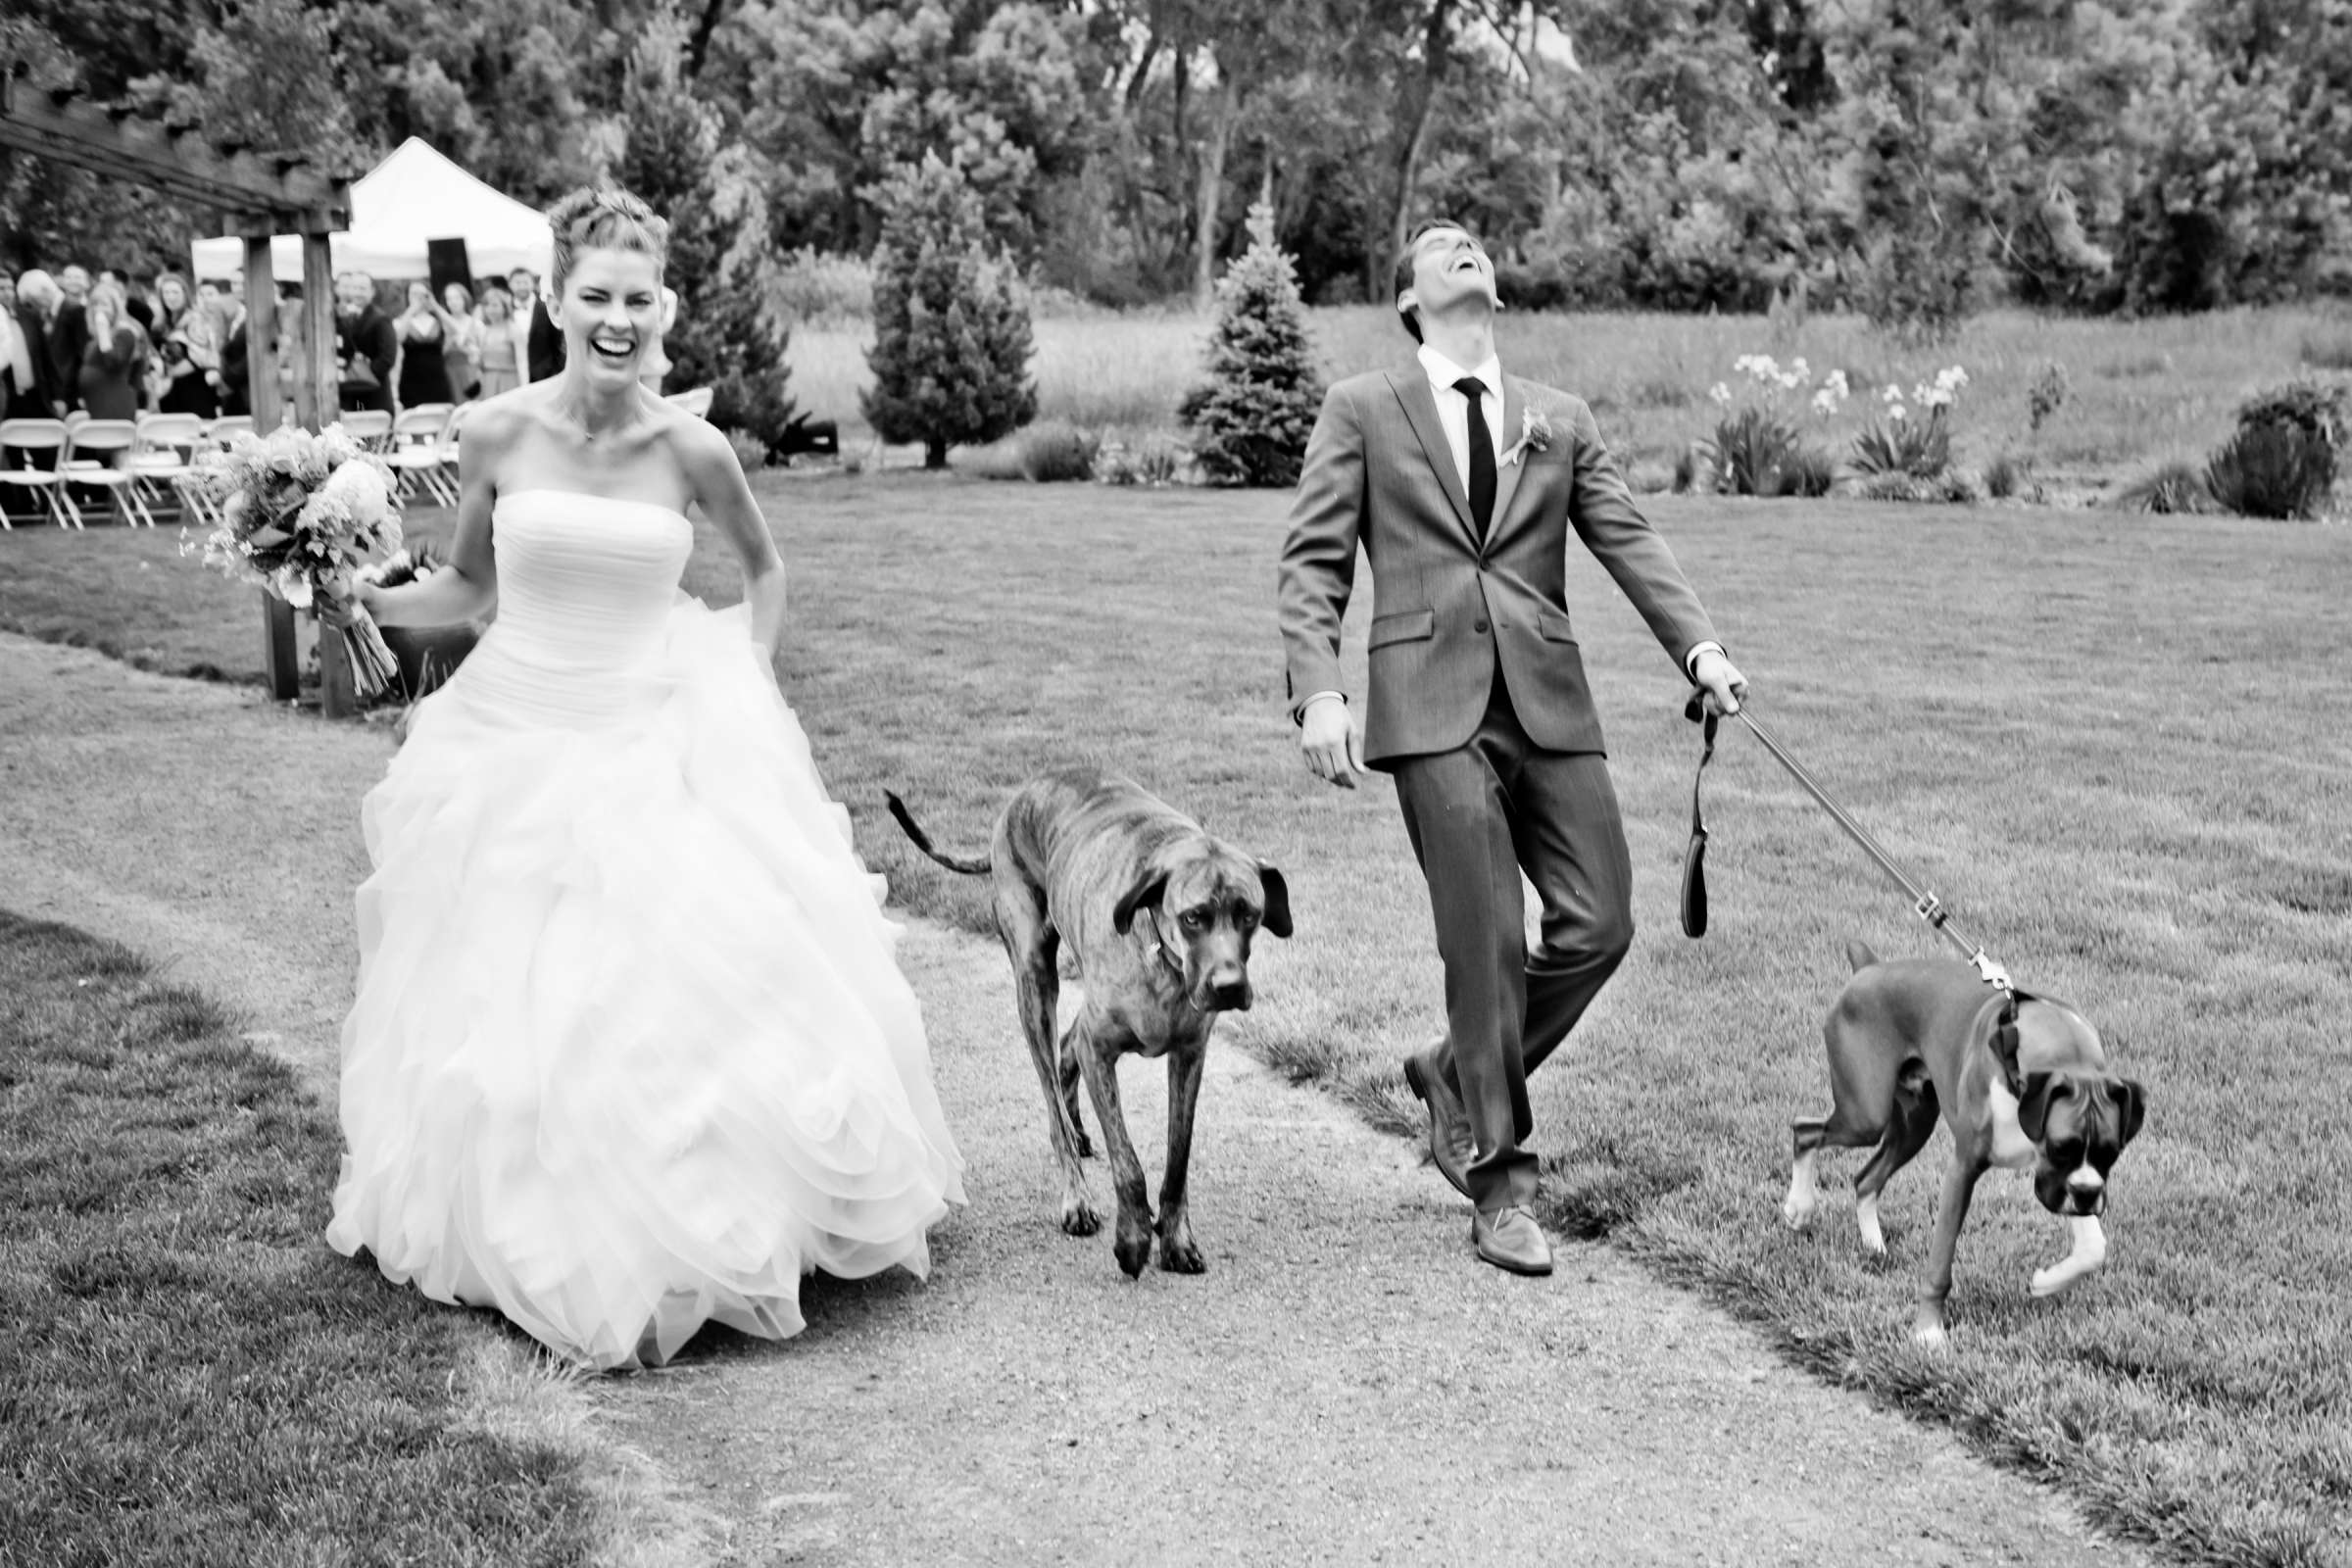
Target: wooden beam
(126, 146)
(315, 386)
(281, 665)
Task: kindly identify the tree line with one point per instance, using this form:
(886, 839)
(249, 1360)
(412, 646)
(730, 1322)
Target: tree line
(1912, 159)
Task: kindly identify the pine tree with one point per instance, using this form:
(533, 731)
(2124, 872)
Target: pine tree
(723, 336)
(952, 340)
(1259, 406)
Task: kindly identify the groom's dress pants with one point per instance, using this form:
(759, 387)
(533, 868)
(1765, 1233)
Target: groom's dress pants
(1477, 816)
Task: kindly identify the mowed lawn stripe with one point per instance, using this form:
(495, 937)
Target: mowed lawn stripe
(189, 1376)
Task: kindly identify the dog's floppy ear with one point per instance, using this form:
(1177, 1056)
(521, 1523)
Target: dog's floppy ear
(2033, 1102)
(2132, 1104)
(1150, 885)
(1277, 900)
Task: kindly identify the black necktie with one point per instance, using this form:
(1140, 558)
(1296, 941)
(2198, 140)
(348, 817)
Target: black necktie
(1482, 454)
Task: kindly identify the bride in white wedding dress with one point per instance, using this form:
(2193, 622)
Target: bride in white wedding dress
(631, 1052)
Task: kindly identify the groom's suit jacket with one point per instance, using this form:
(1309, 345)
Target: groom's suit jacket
(1450, 605)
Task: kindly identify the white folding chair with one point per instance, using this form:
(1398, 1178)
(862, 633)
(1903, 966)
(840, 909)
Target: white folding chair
(694, 400)
(414, 448)
(98, 453)
(162, 462)
(369, 427)
(33, 454)
(227, 425)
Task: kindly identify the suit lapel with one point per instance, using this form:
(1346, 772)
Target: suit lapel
(1507, 477)
(1411, 386)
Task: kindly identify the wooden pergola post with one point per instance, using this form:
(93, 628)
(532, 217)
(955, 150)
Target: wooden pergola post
(257, 195)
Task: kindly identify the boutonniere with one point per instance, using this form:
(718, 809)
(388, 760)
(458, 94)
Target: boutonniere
(1535, 436)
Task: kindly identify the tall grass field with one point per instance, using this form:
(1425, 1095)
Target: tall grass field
(2119, 748)
(2139, 392)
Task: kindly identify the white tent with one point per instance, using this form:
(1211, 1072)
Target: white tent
(413, 196)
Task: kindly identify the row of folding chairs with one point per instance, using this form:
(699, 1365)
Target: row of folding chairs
(154, 461)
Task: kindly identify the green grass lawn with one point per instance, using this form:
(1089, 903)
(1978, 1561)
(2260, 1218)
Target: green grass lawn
(2116, 746)
(188, 1376)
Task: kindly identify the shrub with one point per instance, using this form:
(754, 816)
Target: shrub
(1259, 406)
(2004, 477)
(2282, 461)
(1155, 462)
(1810, 470)
(2045, 396)
(1686, 468)
(2176, 486)
(750, 449)
(1057, 451)
(1750, 451)
(1916, 449)
(2271, 470)
(951, 339)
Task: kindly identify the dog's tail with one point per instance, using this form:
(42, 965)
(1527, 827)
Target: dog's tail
(922, 840)
(1857, 952)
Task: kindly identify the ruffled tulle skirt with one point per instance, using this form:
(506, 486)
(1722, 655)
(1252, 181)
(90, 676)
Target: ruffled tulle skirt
(631, 1051)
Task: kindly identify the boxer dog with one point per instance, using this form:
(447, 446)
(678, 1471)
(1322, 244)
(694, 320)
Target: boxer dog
(1158, 914)
(1918, 1035)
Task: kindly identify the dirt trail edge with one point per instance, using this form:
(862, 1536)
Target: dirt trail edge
(1345, 1384)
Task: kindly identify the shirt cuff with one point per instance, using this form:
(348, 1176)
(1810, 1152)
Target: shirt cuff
(1299, 714)
(1689, 660)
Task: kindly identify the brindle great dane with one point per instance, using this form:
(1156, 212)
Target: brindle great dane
(1159, 915)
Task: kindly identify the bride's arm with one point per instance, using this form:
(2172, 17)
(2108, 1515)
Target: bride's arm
(465, 587)
(725, 497)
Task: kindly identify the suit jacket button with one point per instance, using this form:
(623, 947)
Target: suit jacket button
(1478, 625)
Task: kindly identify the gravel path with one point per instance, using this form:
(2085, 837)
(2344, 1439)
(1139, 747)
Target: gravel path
(1345, 1384)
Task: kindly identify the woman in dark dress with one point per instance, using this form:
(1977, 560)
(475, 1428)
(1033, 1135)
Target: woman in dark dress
(183, 332)
(424, 350)
(114, 363)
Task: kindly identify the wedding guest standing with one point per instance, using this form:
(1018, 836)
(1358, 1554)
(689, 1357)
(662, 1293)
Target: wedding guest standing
(67, 334)
(542, 342)
(424, 373)
(187, 349)
(113, 364)
(366, 344)
(499, 365)
(20, 393)
(463, 350)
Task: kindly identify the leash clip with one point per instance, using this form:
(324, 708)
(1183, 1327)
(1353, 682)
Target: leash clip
(1990, 968)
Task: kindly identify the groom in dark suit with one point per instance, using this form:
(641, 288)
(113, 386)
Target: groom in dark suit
(1461, 484)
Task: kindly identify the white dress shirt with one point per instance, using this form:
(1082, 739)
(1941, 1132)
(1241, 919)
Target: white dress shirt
(1453, 408)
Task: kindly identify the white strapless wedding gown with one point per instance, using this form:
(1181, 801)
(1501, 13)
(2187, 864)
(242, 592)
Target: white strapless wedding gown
(631, 1051)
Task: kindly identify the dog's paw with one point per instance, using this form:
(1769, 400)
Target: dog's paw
(1798, 1213)
(1078, 1216)
(1133, 1250)
(1928, 1326)
(1179, 1256)
(1865, 1225)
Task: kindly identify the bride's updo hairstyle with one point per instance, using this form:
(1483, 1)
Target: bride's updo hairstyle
(610, 219)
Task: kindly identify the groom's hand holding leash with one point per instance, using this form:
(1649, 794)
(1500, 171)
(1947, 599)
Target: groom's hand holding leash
(1332, 741)
(1720, 679)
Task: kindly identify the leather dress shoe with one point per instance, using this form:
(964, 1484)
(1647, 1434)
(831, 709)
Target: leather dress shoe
(1509, 1237)
(1450, 1146)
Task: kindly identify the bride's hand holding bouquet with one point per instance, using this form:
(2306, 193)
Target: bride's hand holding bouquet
(301, 514)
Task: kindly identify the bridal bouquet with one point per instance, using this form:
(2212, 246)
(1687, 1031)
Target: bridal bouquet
(300, 514)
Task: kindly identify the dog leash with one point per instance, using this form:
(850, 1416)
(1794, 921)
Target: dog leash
(1924, 902)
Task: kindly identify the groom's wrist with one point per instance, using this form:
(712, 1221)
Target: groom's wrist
(1299, 714)
(1690, 659)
